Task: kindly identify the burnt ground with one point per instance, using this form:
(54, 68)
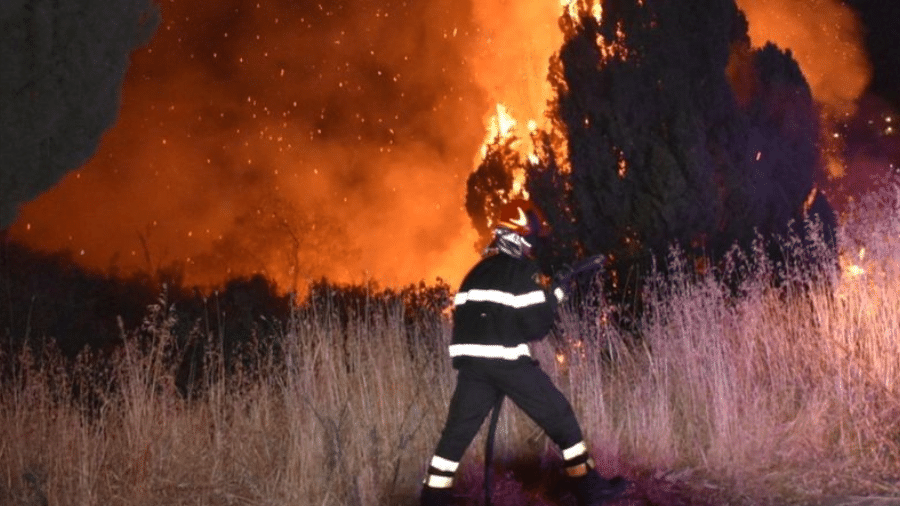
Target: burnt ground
(648, 488)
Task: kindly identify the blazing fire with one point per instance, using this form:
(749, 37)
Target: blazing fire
(501, 126)
(328, 141)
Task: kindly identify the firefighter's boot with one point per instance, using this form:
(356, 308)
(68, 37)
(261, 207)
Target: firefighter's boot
(435, 497)
(595, 490)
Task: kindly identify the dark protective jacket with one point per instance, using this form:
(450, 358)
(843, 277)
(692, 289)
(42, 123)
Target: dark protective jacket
(501, 306)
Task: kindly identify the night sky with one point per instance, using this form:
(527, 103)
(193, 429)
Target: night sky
(335, 138)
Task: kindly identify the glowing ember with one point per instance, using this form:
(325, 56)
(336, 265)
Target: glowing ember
(573, 8)
(808, 201)
(854, 270)
(623, 165)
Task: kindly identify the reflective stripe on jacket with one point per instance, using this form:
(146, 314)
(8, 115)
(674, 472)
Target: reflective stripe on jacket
(499, 308)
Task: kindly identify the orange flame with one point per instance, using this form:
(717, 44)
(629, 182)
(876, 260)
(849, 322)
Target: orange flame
(518, 186)
(500, 126)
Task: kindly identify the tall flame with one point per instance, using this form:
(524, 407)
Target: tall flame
(501, 125)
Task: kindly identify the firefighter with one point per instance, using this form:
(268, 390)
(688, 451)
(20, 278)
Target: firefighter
(502, 305)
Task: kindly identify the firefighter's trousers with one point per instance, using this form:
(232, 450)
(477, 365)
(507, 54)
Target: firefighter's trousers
(477, 388)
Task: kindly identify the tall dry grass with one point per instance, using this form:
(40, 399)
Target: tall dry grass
(345, 416)
(780, 393)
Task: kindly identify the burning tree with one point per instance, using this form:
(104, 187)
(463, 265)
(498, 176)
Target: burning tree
(491, 184)
(667, 127)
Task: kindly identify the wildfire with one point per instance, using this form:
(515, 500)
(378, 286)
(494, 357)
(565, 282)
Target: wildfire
(828, 45)
(334, 136)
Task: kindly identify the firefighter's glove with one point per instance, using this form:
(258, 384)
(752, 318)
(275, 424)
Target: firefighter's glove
(559, 293)
(563, 276)
(562, 280)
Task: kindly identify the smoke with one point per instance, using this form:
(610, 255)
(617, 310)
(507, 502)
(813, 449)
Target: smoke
(300, 141)
(825, 37)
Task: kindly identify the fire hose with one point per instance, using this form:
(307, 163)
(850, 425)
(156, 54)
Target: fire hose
(563, 279)
(489, 448)
(565, 276)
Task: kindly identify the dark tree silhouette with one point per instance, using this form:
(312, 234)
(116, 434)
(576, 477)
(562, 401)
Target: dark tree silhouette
(491, 185)
(669, 128)
(63, 67)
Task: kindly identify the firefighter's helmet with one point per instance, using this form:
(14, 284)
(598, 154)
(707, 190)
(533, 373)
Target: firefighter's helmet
(523, 217)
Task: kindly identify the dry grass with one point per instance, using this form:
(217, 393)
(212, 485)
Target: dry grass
(775, 395)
